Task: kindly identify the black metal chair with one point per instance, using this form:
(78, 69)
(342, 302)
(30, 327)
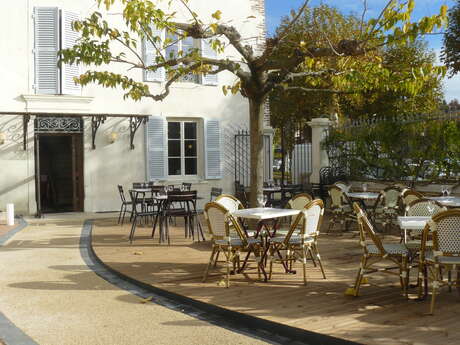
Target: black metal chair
(186, 186)
(141, 210)
(215, 192)
(139, 185)
(124, 206)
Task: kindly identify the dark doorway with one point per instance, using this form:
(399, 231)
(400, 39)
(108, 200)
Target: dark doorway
(60, 166)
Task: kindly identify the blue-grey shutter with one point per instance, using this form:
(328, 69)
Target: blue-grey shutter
(208, 52)
(156, 147)
(212, 150)
(69, 38)
(149, 54)
(46, 46)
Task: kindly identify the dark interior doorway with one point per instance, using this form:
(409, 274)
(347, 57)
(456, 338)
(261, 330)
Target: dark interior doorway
(60, 165)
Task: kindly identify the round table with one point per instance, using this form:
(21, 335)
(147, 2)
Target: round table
(448, 201)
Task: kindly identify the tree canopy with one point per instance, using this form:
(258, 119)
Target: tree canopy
(257, 74)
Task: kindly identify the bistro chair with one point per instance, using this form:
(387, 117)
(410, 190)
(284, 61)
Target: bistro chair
(376, 252)
(420, 208)
(298, 202)
(186, 186)
(230, 202)
(342, 211)
(343, 186)
(408, 196)
(139, 185)
(124, 206)
(300, 244)
(140, 211)
(230, 242)
(444, 256)
(387, 206)
(215, 192)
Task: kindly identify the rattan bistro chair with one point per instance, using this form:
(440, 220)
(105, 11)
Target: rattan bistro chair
(387, 206)
(342, 211)
(230, 202)
(408, 196)
(297, 202)
(421, 208)
(444, 256)
(300, 245)
(376, 252)
(231, 243)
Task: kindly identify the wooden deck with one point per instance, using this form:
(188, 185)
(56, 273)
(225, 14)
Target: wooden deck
(380, 315)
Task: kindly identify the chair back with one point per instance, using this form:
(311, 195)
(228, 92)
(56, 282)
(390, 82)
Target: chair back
(186, 186)
(182, 195)
(390, 197)
(338, 197)
(445, 229)
(366, 231)
(229, 202)
(424, 208)
(309, 221)
(299, 201)
(410, 195)
(215, 192)
(342, 185)
(139, 185)
(122, 193)
(219, 220)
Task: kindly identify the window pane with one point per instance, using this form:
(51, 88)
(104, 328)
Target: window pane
(187, 45)
(174, 148)
(190, 130)
(190, 166)
(190, 148)
(171, 49)
(173, 130)
(174, 166)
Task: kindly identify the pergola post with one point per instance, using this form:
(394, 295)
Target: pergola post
(319, 156)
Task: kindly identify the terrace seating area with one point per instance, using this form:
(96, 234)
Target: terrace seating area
(324, 260)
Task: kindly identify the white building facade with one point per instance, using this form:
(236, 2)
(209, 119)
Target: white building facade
(70, 147)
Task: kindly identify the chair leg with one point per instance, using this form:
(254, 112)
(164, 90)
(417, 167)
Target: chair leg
(359, 276)
(229, 262)
(435, 288)
(316, 252)
(124, 213)
(304, 264)
(121, 210)
(205, 276)
(272, 252)
(133, 229)
(154, 225)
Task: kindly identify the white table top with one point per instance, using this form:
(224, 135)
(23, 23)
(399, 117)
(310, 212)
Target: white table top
(452, 201)
(363, 195)
(413, 222)
(261, 213)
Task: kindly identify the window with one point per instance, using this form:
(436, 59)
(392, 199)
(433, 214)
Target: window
(185, 45)
(182, 148)
(53, 31)
(179, 148)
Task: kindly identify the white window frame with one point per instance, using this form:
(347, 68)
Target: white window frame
(196, 45)
(182, 148)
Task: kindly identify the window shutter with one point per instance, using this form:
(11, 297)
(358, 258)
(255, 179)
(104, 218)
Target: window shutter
(207, 51)
(46, 46)
(212, 150)
(69, 38)
(150, 53)
(156, 147)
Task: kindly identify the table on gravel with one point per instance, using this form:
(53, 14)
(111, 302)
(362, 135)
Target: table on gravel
(262, 215)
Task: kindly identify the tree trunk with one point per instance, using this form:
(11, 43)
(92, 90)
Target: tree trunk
(256, 126)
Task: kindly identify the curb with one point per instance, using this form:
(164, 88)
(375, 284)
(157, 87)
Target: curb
(269, 331)
(9, 333)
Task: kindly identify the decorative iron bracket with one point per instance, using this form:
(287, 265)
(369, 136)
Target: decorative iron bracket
(96, 122)
(134, 123)
(25, 130)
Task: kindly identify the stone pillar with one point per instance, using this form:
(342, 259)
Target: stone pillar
(319, 157)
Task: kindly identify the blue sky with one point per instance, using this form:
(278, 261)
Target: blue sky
(276, 9)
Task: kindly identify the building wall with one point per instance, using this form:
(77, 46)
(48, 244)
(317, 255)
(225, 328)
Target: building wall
(109, 164)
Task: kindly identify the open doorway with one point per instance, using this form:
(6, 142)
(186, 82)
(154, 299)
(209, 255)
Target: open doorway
(59, 160)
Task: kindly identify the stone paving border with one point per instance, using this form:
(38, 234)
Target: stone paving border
(269, 331)
(9, 333)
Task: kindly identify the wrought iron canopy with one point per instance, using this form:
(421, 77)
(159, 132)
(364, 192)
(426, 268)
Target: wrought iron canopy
(53, 122)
